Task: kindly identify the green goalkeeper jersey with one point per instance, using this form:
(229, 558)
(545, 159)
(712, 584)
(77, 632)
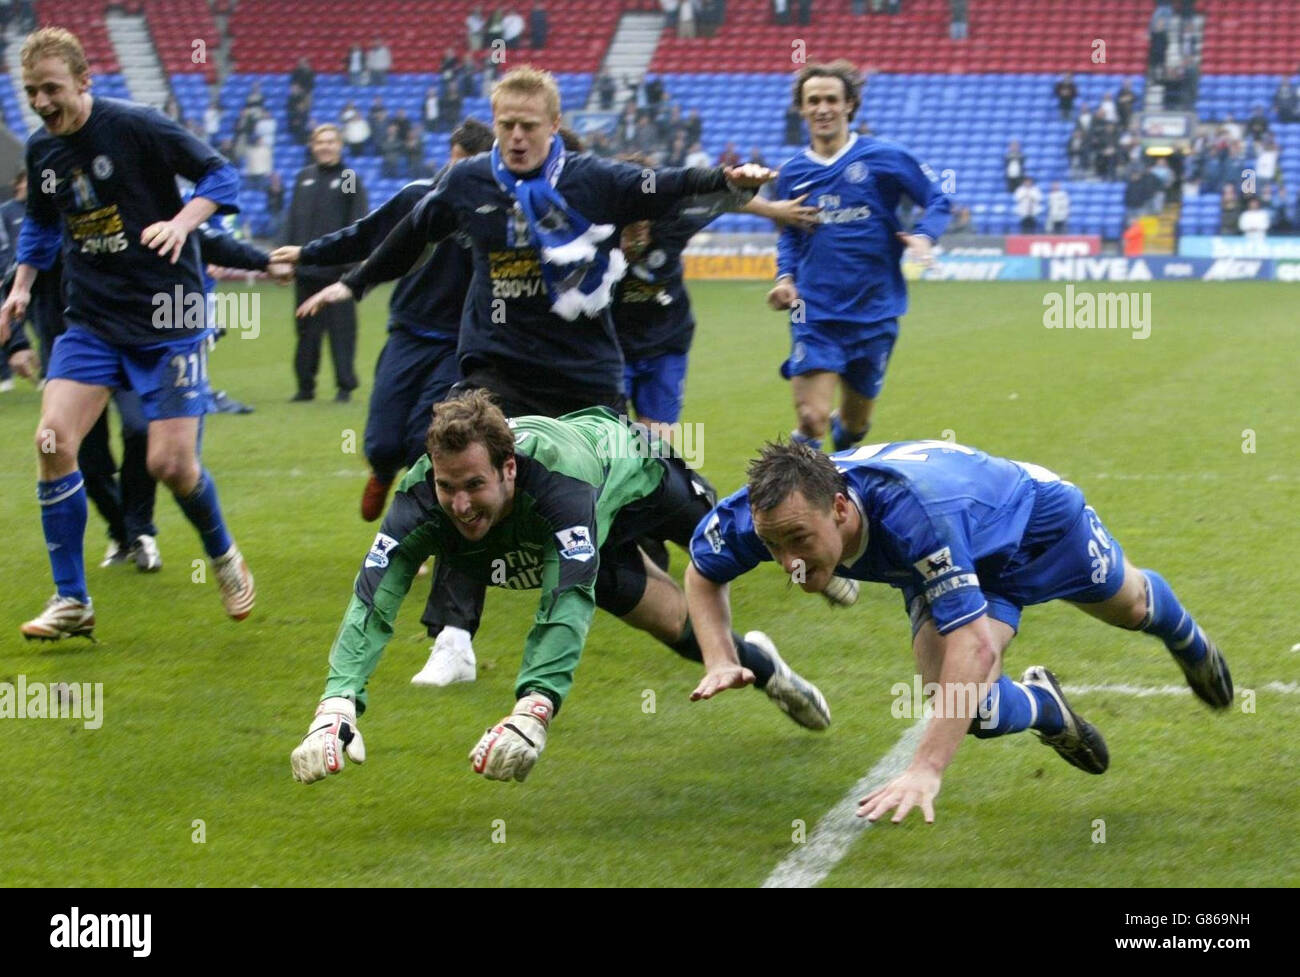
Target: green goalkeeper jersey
(574, 474)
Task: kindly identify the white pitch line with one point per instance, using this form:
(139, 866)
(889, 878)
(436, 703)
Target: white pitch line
(830, 840)
(835, 833)
(1146, 691)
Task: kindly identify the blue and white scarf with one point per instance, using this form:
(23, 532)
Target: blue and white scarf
(579, 277)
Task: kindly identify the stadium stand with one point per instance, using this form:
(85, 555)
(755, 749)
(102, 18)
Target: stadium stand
(175, 26)
(86, 17)
(958, 115)
(1258, 36)
(580, 31)
(1005, 36)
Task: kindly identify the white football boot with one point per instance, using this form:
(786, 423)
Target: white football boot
(115, 554)
(794, 695)
(237, 593)
(63, 617)
(144, 551)
(451, 660)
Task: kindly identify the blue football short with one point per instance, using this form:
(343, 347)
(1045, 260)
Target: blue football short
(171, 378)
(1066, 553)
(859, 354)
(656, 387)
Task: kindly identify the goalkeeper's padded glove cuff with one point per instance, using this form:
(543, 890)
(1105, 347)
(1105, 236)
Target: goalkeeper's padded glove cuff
(539, 705)
(339, 704)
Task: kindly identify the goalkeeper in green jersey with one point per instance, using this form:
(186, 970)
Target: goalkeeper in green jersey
(533, 502)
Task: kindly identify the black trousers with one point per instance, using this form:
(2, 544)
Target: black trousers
(339, 321)
(671, 512)
(456, 601)
(46, 312)
(127, 506)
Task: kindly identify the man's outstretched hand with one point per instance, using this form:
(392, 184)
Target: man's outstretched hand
(748, 176)
(330, 294)
(720, 679)
(914, 787)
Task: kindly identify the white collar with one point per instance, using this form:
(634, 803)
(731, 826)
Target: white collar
(828, 160)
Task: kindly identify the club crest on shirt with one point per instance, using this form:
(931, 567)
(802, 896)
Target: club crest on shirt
(856, 172)
(936, 564)
(102, 167)
(379, 550)
(576, 544)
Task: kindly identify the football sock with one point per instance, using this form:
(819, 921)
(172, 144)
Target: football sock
(841, 439)
(750, 655)
(801, 438)
(203, 509)
(686, 645)
(63, 517)
(1168, 620)
(1011, 707)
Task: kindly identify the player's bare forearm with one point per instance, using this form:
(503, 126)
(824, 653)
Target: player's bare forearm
(709, 607)
(968, 658)
(25, 277)
(194, 213)
(710, 614)
(792, 213)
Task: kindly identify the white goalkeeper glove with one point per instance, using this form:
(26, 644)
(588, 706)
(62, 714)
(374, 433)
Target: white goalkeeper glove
(332, 734)
(841, 592)
(510, 748)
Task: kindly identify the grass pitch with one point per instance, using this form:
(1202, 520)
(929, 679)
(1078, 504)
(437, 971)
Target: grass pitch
(1187, 443)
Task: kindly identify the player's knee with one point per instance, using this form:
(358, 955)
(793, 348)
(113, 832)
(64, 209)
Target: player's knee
(177, 470)
(813, 419)
(55, 444)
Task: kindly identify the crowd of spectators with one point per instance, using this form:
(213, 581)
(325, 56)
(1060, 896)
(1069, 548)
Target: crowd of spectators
(506, 27)
(1104, 142)
(652, 123)
(1241, 164)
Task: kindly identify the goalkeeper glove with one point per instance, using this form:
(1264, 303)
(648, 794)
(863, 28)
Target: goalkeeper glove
(510, 748)
(332, 734)
(841, 592)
